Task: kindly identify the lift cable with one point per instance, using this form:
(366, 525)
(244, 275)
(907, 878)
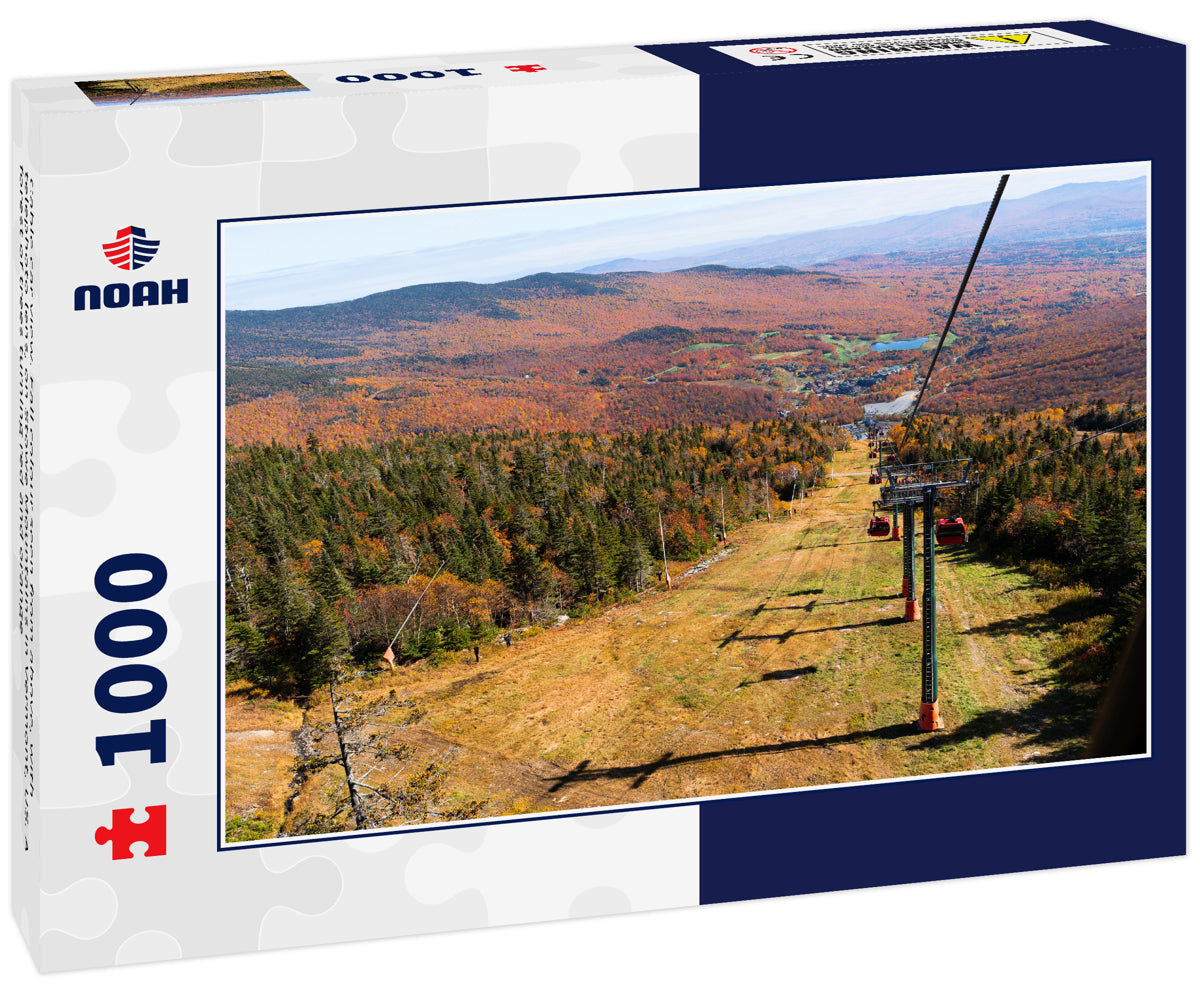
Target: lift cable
(954, 309)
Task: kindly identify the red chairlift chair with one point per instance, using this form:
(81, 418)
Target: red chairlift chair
(879, 526)
(950, 531)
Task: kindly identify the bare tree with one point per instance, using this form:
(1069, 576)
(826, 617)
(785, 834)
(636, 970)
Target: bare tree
(663, 539)
(385, 783)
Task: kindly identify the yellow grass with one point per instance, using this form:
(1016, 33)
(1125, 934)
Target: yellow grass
(787, 664)
(258, 753)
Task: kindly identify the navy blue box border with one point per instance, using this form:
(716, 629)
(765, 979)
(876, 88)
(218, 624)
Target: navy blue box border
(1120, 102)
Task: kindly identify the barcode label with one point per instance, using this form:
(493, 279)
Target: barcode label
(798, 53)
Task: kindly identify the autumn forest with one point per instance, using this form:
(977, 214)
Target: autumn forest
(433, 472)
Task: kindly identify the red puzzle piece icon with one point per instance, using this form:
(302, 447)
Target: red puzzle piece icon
(124, 832)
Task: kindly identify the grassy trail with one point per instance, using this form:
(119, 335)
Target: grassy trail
(785, 664)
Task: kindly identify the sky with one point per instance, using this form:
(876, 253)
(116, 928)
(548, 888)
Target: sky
(271, 264)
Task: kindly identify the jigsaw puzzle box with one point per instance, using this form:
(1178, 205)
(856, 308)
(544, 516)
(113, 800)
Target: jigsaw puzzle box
(465, 490)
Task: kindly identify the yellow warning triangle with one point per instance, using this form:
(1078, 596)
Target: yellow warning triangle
(1015, 39)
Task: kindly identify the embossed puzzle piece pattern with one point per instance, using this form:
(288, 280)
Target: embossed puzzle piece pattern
(215, 135)
(82, 144)
(373, 869)
(581, 116)
(511, 177)
(100, 466)
(376, 173)
(84, 489)
(299, 131)
(85, 909)
(129, 441)
(177, 894)
(557, 866)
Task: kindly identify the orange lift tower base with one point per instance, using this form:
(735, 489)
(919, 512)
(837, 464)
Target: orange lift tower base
(929, 719)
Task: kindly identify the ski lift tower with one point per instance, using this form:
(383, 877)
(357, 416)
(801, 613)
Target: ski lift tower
(907, 487)
(902, 515)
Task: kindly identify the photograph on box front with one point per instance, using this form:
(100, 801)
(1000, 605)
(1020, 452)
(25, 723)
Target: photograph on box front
(576, 504)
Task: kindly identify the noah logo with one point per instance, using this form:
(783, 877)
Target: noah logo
(131, 250)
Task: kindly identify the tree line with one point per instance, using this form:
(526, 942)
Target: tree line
(327, 550)
(1076, 514)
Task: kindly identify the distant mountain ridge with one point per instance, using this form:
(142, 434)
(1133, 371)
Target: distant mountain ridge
(1070, 211)
(1046, 322)
(399, 309)
(1081, 215)
(412, 305)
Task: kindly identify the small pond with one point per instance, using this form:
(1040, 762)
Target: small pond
(898, 345)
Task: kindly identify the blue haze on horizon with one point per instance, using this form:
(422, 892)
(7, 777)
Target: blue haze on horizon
(307, 261)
